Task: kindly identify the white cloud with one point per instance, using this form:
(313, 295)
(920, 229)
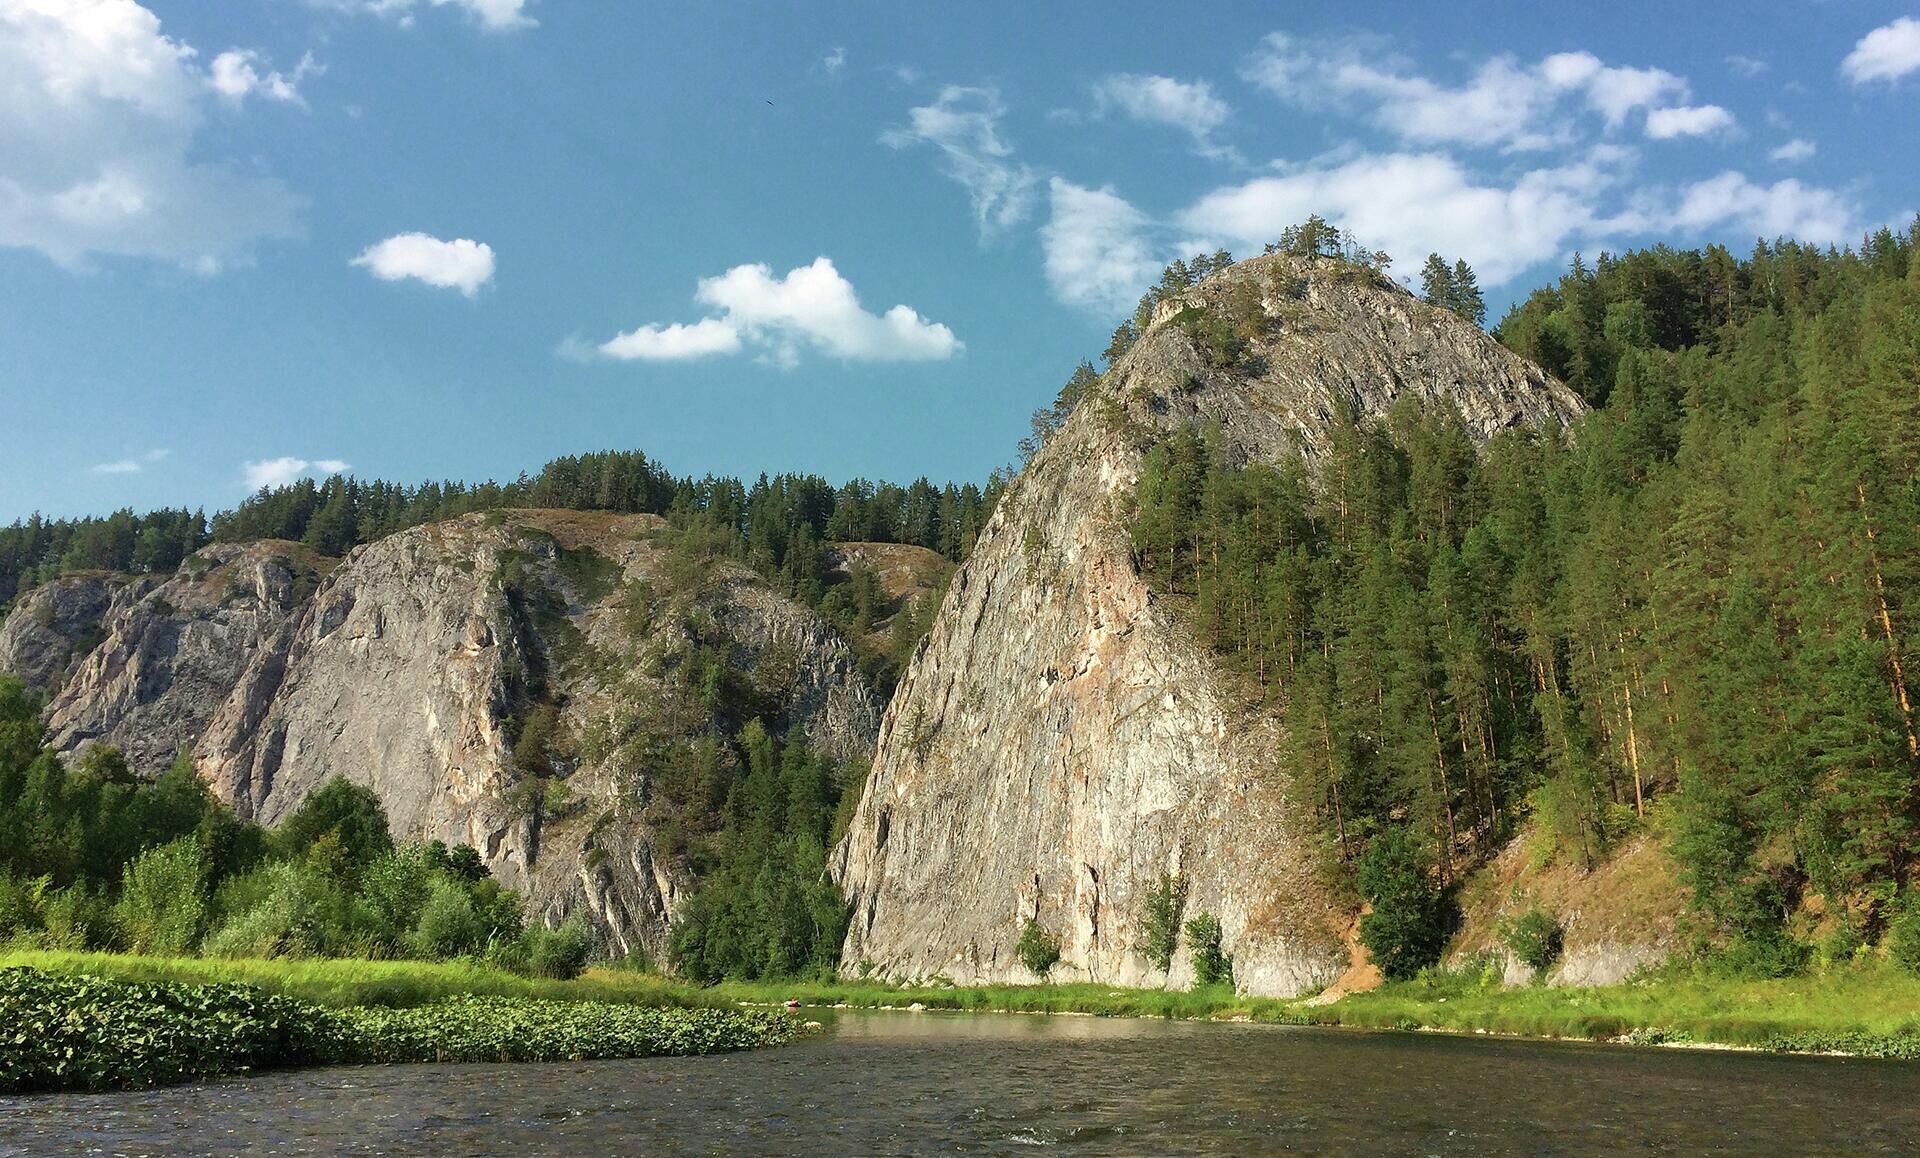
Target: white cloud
(1784, 209)
(131, 465)
(835, 60)
(278, 472)
(1505, 104)
(458, 264)
(1189, 106)
(812, 306)
(234, 76)
(964, 124)
(1687, 121)
(1097, 252)
(1412, 204)
(1747, 65)
(493, 15)
(99, 114)
(1616, 92)
(1887, 53)
(674, 343)
(1798, 149)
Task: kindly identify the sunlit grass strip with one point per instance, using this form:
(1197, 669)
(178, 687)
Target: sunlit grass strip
(65, 1031)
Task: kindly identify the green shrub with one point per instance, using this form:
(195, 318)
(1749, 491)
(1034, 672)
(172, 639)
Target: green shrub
(1407, 928)
(351, 813)
(556, 954)
(1903, 938)
(21, 902)
(163, 899)
(1160, 920)
(448, 925)
(393, 894)
(1533, 937)
(76, 919)
(1211, 966)
(1037, 949)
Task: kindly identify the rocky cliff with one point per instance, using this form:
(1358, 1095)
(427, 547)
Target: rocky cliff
(418, 666)
(1058, 742)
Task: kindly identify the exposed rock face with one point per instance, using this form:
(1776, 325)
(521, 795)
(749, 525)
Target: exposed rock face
(409, 666)
(404, 670)
(173, 650)
(1059, 742)
(56, 624)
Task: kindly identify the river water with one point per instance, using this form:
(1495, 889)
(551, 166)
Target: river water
(901, 1083)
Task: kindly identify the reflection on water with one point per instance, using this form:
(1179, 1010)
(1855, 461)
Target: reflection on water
(979, 1084)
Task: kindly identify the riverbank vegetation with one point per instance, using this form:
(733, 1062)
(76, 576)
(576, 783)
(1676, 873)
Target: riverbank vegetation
(68, 1031)
(1868, 1009)
(94, 857)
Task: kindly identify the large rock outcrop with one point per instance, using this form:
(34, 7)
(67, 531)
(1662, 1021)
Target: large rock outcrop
(55, 625)
(1058, 742)
(414, 666)
(174, 649)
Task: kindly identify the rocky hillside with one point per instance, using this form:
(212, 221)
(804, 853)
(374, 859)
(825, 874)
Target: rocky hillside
(1058, 742)
(514, 681)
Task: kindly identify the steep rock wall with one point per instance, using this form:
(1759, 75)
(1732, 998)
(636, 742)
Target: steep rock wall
(1058, 742)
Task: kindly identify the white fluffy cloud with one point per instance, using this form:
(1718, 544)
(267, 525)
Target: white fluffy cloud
(836, 60)
(1784, 209)
(811, 307)
(1505, 104)
(678, 342)
(1413, 204)
(1098, 255)
(1687, 121)
(99, 111)
(130, 465)
(1189, 106)
(458, 264)
(493, 15)
(1798, 149)
(278, 472)
(235, 77)
(1887, 53)
(964, 124)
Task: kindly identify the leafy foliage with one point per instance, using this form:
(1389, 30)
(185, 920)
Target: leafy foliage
(766, 907)
(1160, 920)
(80, 1032)
(1407, 927)
(1533, 938)
(1211, 965)
(1037, 949)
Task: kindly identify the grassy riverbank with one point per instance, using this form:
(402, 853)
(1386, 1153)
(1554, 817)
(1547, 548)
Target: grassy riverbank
(1872, 1010)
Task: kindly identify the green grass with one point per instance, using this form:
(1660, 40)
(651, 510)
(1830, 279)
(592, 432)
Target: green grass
(344, 982)
(1872, 1009)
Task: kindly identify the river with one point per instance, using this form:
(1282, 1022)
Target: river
(901, 1083)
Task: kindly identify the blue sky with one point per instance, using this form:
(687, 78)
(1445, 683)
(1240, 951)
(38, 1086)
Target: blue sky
(244, 240)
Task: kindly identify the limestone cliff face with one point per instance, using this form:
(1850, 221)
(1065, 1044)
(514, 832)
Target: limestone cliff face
(412, 665)
(55, 626)
(1058, 742)
(173, 649)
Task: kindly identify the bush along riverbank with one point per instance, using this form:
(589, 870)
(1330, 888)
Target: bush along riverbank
(79, 1032)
